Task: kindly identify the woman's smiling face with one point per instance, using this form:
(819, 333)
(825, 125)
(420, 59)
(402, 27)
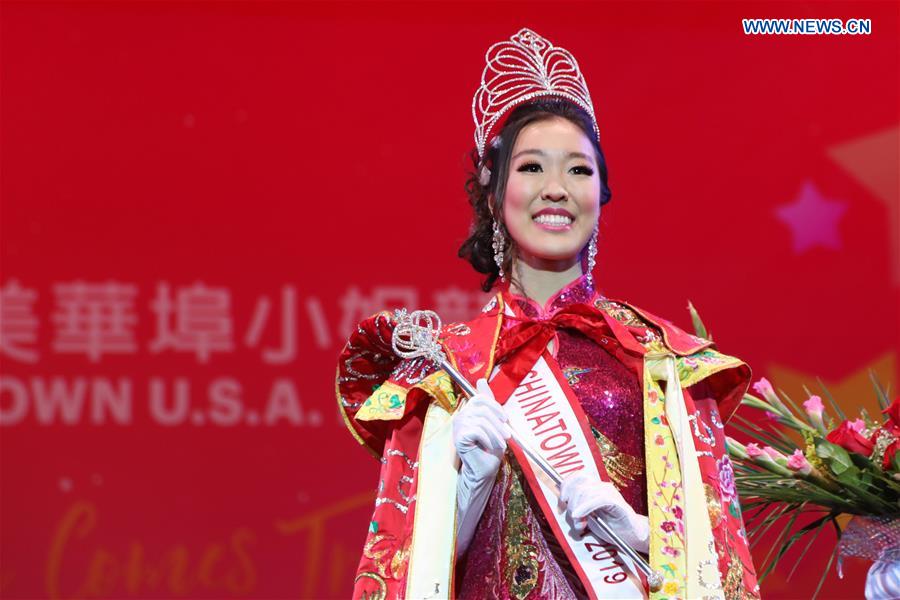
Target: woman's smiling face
(552, 198)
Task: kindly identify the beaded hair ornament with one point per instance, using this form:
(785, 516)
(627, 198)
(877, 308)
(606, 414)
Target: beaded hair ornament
(520, 69)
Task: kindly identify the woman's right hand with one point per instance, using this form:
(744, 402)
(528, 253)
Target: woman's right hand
(480, 431)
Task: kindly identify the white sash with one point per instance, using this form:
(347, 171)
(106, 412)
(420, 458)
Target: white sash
(433, 545)
(541, 414)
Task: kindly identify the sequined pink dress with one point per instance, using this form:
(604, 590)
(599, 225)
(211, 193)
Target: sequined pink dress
(513, 553)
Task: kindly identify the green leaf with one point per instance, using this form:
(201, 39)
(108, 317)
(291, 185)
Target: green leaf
(760, 530)
(830, 560)
(748, 507)
(792, 404)
(834, 405)
(790, 442)
(779, 541)
(836, 457)
(883, 401)
(699, 328)
(754, 431)
(818, 525)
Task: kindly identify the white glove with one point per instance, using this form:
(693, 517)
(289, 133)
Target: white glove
(480, 431)
(584, 495)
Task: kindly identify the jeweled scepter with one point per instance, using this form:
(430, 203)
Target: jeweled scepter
(416, 335)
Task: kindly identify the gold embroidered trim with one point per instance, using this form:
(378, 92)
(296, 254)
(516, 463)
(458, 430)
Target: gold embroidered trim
(622, 314)
(389, 563)
(381, 594)
(623, 468)
(733, 586)
(522, 566)
(713, 505)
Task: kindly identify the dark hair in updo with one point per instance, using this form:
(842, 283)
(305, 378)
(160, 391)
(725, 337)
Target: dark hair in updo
(478, 248)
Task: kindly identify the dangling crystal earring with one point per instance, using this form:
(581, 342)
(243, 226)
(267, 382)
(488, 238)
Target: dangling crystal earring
(499, 241)
(592, 253)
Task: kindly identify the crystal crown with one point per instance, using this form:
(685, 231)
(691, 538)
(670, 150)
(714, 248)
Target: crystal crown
(524, 67)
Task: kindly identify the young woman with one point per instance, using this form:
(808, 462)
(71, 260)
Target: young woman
(627, 408)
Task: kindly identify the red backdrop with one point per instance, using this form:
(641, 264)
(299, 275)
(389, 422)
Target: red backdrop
(200, 200)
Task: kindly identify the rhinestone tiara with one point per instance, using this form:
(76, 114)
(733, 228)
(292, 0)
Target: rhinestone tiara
(524, 67)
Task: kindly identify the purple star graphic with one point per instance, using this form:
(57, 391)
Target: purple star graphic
(813, 219)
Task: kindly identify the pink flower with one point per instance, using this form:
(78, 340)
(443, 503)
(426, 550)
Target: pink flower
(753, 450)
(814, 406)
(859, 426)
(763, 387)
(814, 410)
(727, 487)
(668, 526)
(674, 552)
(677, 512)
(797, 462)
